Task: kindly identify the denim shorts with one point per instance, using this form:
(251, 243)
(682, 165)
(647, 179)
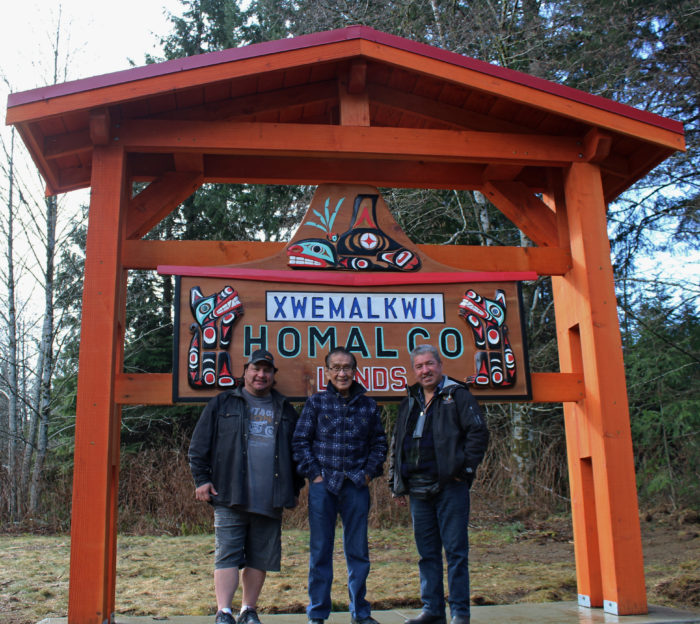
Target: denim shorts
(247, 540)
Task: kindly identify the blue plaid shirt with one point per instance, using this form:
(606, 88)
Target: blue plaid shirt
(340, 438)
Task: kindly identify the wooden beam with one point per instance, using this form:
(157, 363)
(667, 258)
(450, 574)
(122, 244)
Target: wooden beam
(339, 141)
(147, 255)
(525, 210)
(501, 172)
(432, 110)
(581, 112)
(247, 106)
(190, 162)
(557, 387)
(157, 388)
(158, 200)
(99, 126)
(354, 107)
(144, 389)
(254, 169)
(357, 77)
(596, 146)
(599, 441)
(96, 474)
(67, 144)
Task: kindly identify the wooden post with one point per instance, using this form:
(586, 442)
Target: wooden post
(607, 538)
(96, 470)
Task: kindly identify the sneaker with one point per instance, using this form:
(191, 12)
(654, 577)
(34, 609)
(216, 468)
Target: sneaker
(315, 621)
(223, 617)
(367, 620)
(249, 616)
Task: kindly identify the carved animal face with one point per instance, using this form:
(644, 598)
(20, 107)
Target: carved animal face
(212, 307)
(313, 253)
(484, 308)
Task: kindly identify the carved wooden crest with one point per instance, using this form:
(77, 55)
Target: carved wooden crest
(349, 277)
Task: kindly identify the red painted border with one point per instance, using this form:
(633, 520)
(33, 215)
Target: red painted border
(329, 37)
(338, 278)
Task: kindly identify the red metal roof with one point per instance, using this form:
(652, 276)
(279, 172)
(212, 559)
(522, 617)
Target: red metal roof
(332, 36)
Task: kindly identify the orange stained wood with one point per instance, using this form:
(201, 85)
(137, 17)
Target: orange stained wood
(335, 141)
(158, 200)
(519, 204)
(523, 93)
(147, 254)
(157, 388)
(606, 425)
(93, 529)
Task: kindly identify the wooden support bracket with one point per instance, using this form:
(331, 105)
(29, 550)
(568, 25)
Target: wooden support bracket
(99, 126)
(596, 146)
(158, 200)
(527, 212)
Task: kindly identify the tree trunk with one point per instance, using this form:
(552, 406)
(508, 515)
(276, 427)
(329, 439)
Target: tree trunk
(13, 429)
(45, 357)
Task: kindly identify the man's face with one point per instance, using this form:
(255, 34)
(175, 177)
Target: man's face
(258, 378)
(341, 372)
(428, 370)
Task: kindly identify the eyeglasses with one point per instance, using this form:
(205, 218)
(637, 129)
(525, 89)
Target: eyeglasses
(344, 369)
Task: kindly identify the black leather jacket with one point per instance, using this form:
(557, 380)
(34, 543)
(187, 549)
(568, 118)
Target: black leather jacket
(459, 433)
(219, 447)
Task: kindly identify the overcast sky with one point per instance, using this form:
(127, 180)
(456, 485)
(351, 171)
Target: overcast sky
(99, 37)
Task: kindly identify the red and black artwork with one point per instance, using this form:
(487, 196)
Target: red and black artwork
(494, 357)
(362, 247)
(209, 362)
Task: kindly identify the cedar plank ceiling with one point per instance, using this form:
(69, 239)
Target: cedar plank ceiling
(298, 81)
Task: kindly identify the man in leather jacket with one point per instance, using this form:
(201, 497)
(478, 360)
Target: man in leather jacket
(241, 460)
(439, 439)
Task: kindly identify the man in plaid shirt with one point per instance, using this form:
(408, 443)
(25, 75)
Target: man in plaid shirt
(339, 445)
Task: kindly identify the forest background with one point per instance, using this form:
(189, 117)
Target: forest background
(641, 53)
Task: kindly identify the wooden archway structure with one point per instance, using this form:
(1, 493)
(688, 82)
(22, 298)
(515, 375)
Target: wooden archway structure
(353, 106)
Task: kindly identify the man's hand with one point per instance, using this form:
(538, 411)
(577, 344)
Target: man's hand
(205, 492)
(400, 500)
(318, 479)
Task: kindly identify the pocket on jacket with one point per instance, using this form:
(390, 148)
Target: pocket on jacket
(229, 424)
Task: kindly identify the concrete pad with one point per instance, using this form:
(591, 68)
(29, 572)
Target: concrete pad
(528, 613)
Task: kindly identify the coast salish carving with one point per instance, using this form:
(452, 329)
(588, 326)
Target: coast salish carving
(209, 363)
(363, 247)
(494, 358)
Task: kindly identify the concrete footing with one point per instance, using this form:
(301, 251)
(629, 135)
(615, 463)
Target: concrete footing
(540, 613)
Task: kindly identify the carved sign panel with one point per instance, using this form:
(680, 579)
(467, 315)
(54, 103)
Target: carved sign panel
(349, 277)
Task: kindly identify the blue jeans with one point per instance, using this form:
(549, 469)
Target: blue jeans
(352, 503)
(441, 521)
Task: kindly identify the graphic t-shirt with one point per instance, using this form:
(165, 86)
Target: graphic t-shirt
(261, 455)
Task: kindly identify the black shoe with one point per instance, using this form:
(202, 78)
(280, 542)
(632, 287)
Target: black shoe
(426, 618)
(223, 617)
(315, 621)
(367, 620)
(249, 616)
(460, 619)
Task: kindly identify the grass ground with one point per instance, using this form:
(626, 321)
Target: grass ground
(163, 576)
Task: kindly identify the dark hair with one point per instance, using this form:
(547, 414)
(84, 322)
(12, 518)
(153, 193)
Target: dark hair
(423, 349)
(340, 351)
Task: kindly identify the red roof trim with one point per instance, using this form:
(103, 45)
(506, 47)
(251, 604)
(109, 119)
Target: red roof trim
(335, 36)
(339, 278)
